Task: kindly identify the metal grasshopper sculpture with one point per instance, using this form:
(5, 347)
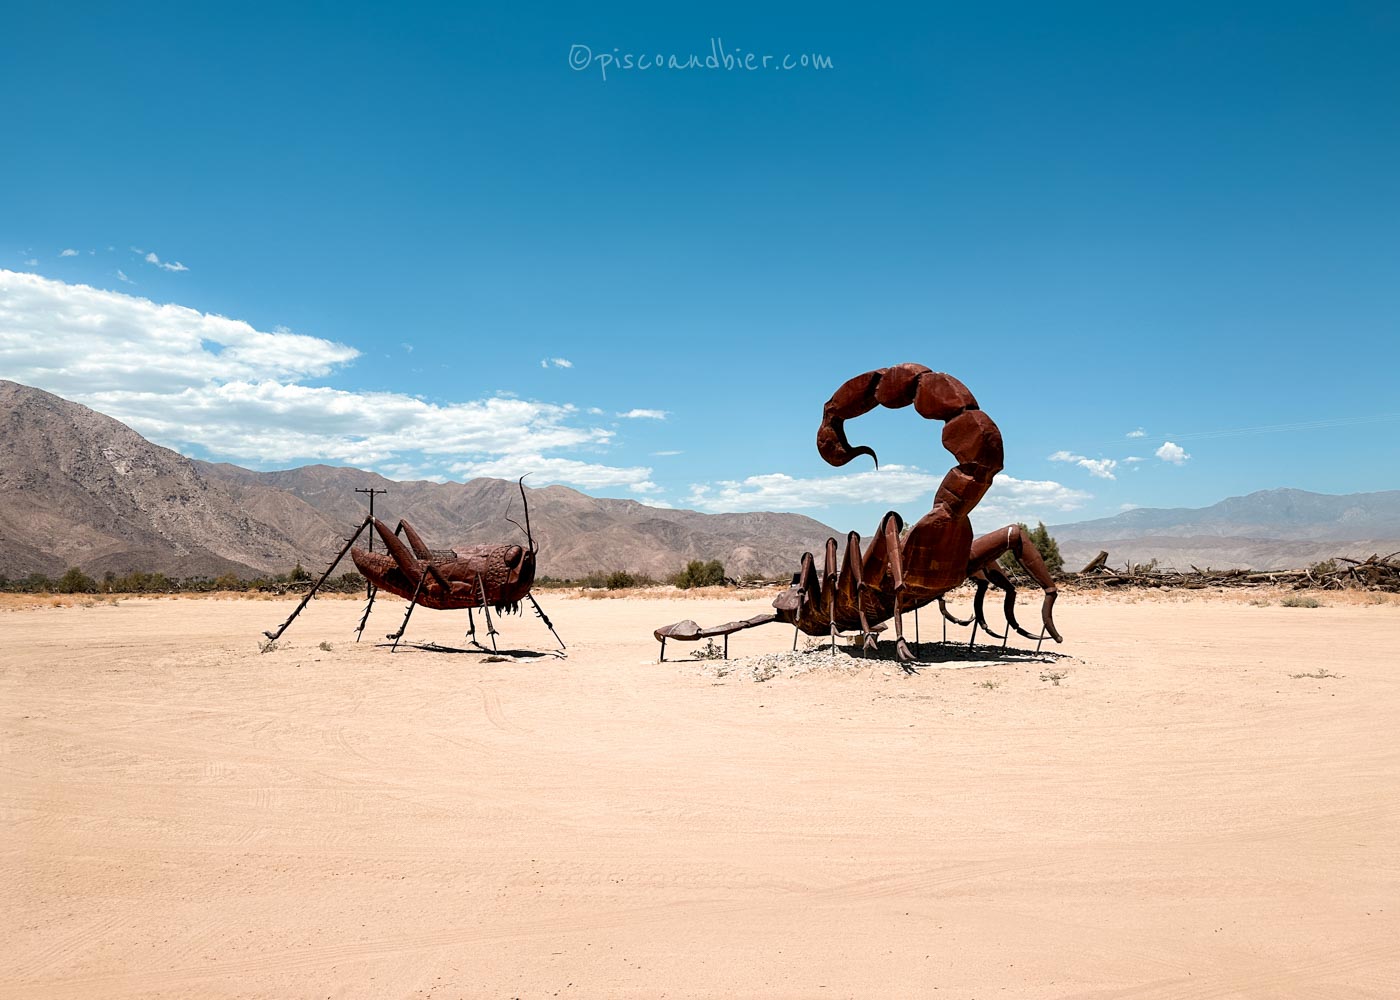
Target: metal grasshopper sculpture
(900, 571)
(481, 576)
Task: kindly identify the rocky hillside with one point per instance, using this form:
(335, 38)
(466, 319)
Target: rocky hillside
(578, 534)
(78, 488)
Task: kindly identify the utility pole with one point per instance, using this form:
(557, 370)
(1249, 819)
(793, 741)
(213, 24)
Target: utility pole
(372, 493)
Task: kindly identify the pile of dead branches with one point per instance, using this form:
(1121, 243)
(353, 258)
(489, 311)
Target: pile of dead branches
(1342, 573)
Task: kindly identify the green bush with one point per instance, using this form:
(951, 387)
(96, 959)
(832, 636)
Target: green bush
(75, 581)
(1044, 543)
(698, 573)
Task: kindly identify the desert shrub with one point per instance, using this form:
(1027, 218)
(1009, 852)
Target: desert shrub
(620, 579)
(1323, 568)
(698, 573)
(552, 583)
(298, 575)
(36, 583)
(1044, 543)
(75, 581)
(1300, 601)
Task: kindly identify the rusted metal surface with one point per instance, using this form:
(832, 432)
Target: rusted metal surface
(481, 576)
(898, 571)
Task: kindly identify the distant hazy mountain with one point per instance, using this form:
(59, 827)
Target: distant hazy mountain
(1270, 529)
(78, 488)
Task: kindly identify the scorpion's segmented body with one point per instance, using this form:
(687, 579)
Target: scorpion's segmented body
(898, 571)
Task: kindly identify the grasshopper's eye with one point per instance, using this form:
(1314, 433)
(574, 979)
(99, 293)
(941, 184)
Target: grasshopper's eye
(512, 555)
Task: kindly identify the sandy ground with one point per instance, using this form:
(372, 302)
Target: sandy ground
(1169, 812)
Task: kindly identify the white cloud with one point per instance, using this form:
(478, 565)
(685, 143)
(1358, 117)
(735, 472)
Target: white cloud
(186, 378)
(80, 339)
(407, 347)
(544, 469)
(168, 265)
(643, 415)
(1129, 506)
(1173, 453)
(122, 275)
(1099, 467)
(1133, 458)
(667, 454)
(1137, 433)
(556, 363)
(32, 262)
(69, 253)
(1009, 498)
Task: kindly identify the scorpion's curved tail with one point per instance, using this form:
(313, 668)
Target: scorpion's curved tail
(971, 435)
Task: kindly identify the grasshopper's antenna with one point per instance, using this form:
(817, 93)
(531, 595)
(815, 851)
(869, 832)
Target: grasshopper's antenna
(528, 537)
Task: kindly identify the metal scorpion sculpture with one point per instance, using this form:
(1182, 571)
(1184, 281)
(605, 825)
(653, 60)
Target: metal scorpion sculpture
(901, 572)
(481, 576)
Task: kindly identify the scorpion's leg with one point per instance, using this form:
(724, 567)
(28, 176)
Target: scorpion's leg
(980, 580)
(851, 586)
(890, 530)
(943, 609)
(987, 548)
(829, 589)
(1000, 579)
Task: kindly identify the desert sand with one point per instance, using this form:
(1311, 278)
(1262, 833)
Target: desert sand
(1169, 811)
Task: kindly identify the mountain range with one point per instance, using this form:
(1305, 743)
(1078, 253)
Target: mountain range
(78, 488)
(1268, 529)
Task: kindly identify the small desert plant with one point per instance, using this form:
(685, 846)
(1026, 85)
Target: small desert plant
(324, 647)
(1299, 601)
(992, 685)
(1316, 675)
(1054, 676)
(1261, 602)
(710, 651)
(267, 646)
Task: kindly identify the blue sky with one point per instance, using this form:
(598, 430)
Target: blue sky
(363, 234)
